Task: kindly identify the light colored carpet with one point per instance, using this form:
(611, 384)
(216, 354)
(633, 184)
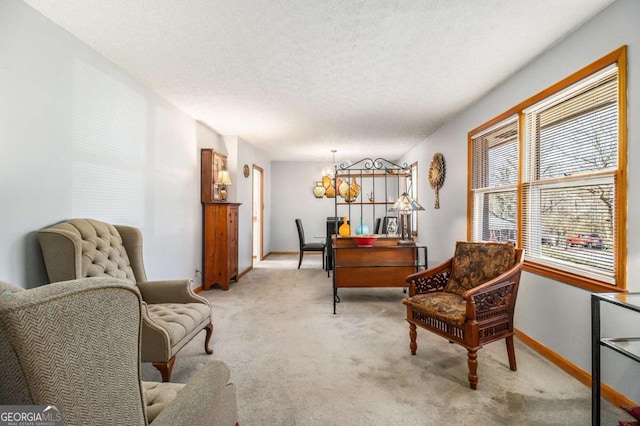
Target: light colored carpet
(295, 363)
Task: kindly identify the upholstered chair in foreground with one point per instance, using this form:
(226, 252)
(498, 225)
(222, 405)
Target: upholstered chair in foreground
(76, 345)
(172, 313)
(470, 299)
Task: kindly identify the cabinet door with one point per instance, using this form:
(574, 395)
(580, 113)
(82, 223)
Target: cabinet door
(233, 238)
(212, 251)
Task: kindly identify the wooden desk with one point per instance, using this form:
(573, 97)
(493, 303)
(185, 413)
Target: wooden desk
(385, 264)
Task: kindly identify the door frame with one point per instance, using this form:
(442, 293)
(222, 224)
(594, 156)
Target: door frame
(260, 254)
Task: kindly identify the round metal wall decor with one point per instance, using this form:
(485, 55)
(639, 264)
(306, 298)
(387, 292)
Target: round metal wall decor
(245, 170)
(436, 175)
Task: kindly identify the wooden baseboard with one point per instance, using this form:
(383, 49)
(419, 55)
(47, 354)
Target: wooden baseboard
(294, 252)
(584, 377)
(290, 252)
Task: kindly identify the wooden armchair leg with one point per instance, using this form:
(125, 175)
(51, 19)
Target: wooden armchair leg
(511, 351)
(165, 368)
(412, 335)
(472, 361)
(209, 329)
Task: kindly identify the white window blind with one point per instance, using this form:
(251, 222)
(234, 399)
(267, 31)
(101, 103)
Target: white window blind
(494, 183)
(569, 189)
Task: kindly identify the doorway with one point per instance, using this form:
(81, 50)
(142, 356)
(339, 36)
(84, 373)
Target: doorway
(257, 214)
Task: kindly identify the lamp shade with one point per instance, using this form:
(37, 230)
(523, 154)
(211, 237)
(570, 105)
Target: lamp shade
(223, 177)
(405, 204)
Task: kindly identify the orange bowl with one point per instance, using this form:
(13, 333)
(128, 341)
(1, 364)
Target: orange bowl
(365, 240)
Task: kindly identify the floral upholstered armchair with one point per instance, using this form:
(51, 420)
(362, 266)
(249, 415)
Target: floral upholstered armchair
(469, 299)
(173, 314)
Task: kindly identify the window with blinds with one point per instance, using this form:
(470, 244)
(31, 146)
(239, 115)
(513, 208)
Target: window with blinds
(548, 177)
(494, 183)
(569, 198)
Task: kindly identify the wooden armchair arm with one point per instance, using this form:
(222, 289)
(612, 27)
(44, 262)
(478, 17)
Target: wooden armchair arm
(432, 279)
(501, 296)
(498, 293)
(489, 285)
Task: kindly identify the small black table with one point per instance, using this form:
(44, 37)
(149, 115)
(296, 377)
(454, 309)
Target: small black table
(626, 346)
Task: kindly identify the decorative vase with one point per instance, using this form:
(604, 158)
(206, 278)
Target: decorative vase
(345, 229)
(319, 190)
(343, 187)
(330, 192)
(362, 229)
(326, 182)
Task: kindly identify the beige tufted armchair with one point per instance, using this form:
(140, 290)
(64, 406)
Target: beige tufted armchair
(172, 313)
(76, 345)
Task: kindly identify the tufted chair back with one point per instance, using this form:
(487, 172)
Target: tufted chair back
(99, 251)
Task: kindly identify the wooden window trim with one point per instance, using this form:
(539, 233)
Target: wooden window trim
(619, 57)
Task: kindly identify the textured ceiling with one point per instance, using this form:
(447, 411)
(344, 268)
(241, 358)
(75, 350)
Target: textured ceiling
(298, 78)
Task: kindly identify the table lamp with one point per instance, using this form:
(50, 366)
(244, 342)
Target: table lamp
(223, 180)
(405, 205)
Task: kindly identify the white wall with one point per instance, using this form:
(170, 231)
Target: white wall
(209, 138)
(438, 229)
(80, 138)
(241, 153)
(555, 314)
(292, 198)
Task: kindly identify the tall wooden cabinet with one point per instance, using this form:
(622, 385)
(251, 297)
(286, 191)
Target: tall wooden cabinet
(220, 238)
(219, 225)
